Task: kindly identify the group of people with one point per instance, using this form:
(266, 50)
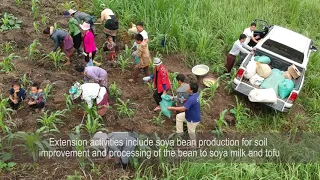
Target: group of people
(242, 45)
(81, 30)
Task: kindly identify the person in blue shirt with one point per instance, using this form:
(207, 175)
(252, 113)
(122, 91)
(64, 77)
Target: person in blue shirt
(16, 95)
(190, 113)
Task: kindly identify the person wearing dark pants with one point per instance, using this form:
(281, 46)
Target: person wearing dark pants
(16, 95)
(236, 48)
(75, 33)
(161, 81)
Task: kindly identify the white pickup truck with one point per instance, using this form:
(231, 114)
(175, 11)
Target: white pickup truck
(284, 47)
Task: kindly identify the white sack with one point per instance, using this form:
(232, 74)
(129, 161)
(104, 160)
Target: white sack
(251, 69)
(263, 95)
(256, 80)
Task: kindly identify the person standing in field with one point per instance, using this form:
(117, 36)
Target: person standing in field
(89, 92)
(236, 48)
(75, 33)
(110, 47)
(61, 38)
(190, 114)
(249, 32)
(16, 95)
(82, 17)
(111, 23)
(142, 31)
(161, 81)
(89, 45)
(182, 91)
(142, 58)
(94, 73)
(120, 151)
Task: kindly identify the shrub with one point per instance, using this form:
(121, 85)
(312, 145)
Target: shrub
(9, 22)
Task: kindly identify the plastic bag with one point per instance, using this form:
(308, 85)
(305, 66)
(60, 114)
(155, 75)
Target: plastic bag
(263, 59)
(285, 88)
(263, 70)
(262, 95)
(273, 80)
(165, 103)
(256, 80)
(251, 69)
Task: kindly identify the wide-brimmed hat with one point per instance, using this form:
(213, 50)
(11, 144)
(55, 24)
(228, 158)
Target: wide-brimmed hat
(157, 61)
(71, 11)
(85, 26)
(75, 91)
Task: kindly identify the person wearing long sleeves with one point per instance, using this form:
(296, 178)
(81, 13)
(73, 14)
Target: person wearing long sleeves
(161, 81)
(82, 17)
(90, 92)
(16, 95)
(94, 73)
(117, 144)
(236, 48)
(89, 45)
(61, 39)
(75, 33)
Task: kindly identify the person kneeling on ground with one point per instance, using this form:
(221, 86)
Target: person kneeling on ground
(61, 38)
(191, 114)
(16, 95)
(37, 99)
(108, 142)
(161, 81)
(236, 48)
(89, 92)
(142, 57)
(97, 74)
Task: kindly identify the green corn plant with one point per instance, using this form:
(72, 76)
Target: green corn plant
(36, 27)
(240, 112)
(18, 2)
(93, 112)
(47, 90)
(55, 25)
(57, 58)
(218, 68)
(33, 142)
(44, 20)
(67, 5)
(7, 47)
(7, 64)
(220, 123)
(76, 176)
(204, 102)
(150, 87)
(212, 88)
(114, 91)
(34, 8)
(34, 49)
(25, 82)
(158, 120)
(9, 22)
(123, 108)
(229, 82)
(122, 62)
(51, 121)
(4, 114)
(82, 160)
(92, 125)
(174, 82)
(69, 103)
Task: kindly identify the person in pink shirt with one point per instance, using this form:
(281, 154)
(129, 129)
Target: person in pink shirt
(89, 46)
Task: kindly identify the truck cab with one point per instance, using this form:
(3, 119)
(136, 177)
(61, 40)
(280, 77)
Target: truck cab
(284, 47)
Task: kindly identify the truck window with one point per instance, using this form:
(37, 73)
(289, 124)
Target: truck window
(283, 50)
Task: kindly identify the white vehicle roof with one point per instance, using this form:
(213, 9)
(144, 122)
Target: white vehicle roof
(291, 39)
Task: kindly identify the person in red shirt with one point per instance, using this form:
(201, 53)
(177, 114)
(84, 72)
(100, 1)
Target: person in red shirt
(161, 81)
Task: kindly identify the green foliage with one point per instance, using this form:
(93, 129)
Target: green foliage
(212, 89)
(313, 102)
(76, 176)
(158, 120)
(124, 108)
(57, 58)
(218, 68)
(50, 122)
(4, 115)
(44, 20)
(6, 166)
(18, 2)
(47, 90)
(67, 5)
(173, 81)
(34, 8)
(33, 142)
(220, 123)
(93, 112)
(7, 64)
(240, 113)
(25, 82)
(150, 87)
(92, 125)
(229, 82)
(69, 103)
(36, 27)
(204, 102)
(9, 22)
(114, 91)
(34, 49)
(7, 47)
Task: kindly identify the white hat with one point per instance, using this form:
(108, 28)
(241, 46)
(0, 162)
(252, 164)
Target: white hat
(71, 11)
(85, 26)
(157, 61)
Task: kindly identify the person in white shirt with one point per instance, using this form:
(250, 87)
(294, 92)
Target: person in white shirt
(89, 92)
(140, 30)
(249, 33)
(236, 48)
